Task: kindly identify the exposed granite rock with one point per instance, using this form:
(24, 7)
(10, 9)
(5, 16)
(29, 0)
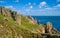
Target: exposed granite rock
(50, 29)
(31, 20)
(8, 14)
(12, 32)
(40, 29)
(55, 31)
(47, 28)
(5, 12)
(16, 17)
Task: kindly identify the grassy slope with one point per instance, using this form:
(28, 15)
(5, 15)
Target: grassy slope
(9, 29)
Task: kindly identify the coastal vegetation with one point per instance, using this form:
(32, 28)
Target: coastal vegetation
(13, 25)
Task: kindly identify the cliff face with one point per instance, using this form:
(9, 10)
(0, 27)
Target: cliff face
(16, 17)
(47, 28)
(31, 20)
(13, 25)
(8, 14)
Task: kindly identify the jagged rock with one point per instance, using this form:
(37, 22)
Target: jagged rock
(10, 29)
(8, 14)
(31, 20)
(5, 12)
(55, 31)
(16, 17)
(48, 28)
(18, 20)
(40, 29)
(2, 10)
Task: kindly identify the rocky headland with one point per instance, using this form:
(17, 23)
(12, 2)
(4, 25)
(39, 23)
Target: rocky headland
(14, 25)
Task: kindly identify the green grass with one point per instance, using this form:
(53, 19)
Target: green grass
(25, 22)
(11, 29)
(55, 34)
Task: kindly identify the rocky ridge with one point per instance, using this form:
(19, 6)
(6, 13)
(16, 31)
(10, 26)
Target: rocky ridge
(13, 25)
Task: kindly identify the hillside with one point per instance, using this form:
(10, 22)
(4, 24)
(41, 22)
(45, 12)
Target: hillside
(13, 25)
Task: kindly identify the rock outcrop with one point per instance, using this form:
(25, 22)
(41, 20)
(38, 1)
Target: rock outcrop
(13, 25)
(40, 29)
(47, 28)
(50, 29)
(16, 17)
(31, 20)
(8, 14)
(5, 12)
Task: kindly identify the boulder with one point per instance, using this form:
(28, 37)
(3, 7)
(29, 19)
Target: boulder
(40, 29)
(48, 28)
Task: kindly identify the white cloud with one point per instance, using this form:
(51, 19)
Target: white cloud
(9, 6)
(31, 6)
(31, 3)
(48, 8)
(58, 5)
(42, 4)
(54, 7)
(27, 10)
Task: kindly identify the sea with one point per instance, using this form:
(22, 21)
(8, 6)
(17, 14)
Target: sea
(55, 20)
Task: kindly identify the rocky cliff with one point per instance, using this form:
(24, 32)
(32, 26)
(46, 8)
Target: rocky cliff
(8, 14)
(50, 29)
(13, 25)
(47, 28)
(31, 20)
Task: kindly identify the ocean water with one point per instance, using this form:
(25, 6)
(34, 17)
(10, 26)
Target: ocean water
(55, 20)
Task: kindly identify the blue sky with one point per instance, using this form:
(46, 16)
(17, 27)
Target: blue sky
(33, 7)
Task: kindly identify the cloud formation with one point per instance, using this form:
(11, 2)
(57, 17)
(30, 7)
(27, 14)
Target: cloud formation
(9, 6)
(42, 4)
(58, 5)
(29, 3)
(53, 8)
(48, 8)
(31, 6)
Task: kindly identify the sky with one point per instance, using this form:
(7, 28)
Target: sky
(33, 7)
